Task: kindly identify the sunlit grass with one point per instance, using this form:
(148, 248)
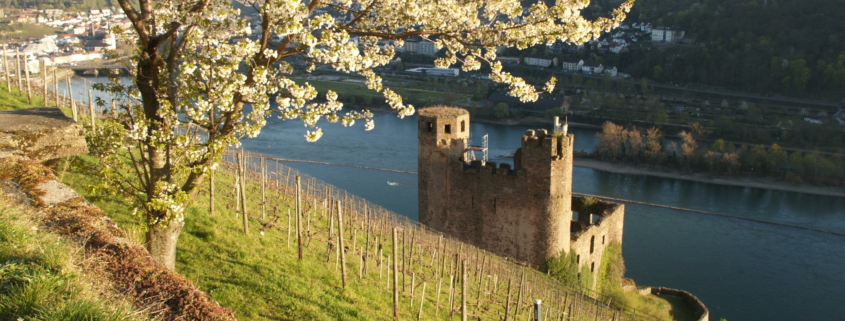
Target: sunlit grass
(258, 275)
(16, 99)
(39, 281)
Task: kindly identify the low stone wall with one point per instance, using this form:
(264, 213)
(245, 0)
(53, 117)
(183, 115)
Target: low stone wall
(41, 134)
(131, 272)
(700, 309)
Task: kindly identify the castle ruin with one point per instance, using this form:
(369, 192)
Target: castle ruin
(523, 212)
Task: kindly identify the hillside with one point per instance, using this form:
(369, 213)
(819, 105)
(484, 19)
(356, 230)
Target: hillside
(258, 275)
(765, 46)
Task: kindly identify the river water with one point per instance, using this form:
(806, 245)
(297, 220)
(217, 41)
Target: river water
(742, 270)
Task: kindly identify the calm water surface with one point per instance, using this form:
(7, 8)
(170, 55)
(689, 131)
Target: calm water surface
(742, 270)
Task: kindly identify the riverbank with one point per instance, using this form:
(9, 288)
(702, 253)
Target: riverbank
(531, 121)
(754, 182)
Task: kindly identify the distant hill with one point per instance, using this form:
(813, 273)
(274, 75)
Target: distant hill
(767, 46)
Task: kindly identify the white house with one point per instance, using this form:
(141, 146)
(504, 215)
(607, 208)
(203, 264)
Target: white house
(448, 72)
(616, 48)
(540, 61)
(666, 34)
(571, 64)
(592, 68)
(611, 70)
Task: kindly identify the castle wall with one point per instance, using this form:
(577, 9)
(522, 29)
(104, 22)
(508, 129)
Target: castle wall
(523, 213)
(589, 238)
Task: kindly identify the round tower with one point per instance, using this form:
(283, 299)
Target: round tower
(443, 138)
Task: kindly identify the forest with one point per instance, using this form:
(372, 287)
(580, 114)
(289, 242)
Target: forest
(772, 47)
(633, 145)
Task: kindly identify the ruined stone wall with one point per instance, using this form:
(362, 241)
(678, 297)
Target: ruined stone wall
(522, 212)
(595, 228)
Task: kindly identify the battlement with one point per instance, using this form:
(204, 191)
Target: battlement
(492, 168)
(544, 143)
(522, 211)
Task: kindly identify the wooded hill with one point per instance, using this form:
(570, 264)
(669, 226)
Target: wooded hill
(766, 46)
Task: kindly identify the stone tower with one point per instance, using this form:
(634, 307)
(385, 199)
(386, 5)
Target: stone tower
(524, 212)
(444, 138)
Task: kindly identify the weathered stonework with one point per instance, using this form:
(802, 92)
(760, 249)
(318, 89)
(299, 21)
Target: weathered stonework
(524, 212)
(594, 229)
(42, 134)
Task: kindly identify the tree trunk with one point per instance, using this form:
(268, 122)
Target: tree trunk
(161, 243)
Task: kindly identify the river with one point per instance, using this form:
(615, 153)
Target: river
(742, 270)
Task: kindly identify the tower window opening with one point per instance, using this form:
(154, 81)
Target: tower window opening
(448, 129)
(430, 127)
(593, 267)
(578, 259)
(592, 243)
(602, 239)
(463, 126)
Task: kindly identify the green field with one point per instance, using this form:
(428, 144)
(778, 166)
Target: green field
(410, 91)
(25, 30)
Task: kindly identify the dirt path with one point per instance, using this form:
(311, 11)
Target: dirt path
(738, 181)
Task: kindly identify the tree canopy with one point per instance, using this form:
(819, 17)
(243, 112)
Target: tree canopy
(208, 72)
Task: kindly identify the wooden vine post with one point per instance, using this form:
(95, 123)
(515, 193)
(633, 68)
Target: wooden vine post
(263, 190)
(299, 221)
(44, 80)
(6, 69)
(91, 109)
(422, 301)
(72, 103)
(464, 290)
(395, 277)
(339, 238)
(56, 85)
(242, 191)
(28, 82)
(18, 69)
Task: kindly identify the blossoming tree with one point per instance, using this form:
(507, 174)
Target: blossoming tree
(202, 79)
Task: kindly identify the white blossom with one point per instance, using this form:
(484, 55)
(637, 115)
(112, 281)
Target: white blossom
(224, 82)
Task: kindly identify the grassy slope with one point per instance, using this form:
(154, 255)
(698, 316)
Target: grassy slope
(258, 276)
(40, 281)
(15, 99)
(246, 278)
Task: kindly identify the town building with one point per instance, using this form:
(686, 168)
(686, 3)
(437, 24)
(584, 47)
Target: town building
(666, 34)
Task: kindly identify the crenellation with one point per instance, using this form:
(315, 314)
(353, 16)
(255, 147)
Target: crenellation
(522, 211)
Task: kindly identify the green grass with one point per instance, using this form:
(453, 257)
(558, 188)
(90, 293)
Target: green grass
(260, 277)
(680, 310)
(17, 99)
(29, 30)
(39, 281)
(409, 93)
